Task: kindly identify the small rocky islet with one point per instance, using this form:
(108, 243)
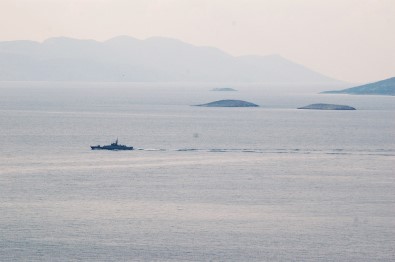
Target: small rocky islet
(223, 89)
(229, 103)
(321, 106)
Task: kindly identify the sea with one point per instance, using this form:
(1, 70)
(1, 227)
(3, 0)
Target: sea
(271, 183)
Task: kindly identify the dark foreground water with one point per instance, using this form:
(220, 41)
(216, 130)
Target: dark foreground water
(228, 184)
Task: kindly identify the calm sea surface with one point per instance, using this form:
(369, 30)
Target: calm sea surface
(228, 184)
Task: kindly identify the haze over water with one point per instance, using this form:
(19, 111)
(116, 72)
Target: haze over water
(271, 183)
(228, 184)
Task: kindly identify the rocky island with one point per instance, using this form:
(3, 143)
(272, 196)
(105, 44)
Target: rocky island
(327, 107)
(383, 87)
(229, 103)
(223, 89)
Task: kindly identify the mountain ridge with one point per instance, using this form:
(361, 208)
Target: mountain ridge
(125, 58)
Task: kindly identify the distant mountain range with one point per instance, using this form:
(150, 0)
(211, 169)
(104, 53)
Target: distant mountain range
(155, 59)
(383, 87)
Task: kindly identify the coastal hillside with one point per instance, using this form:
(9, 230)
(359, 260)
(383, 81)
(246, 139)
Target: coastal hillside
(383, 87)
(156, 59)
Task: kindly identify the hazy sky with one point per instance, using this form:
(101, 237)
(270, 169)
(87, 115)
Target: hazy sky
(351, 40)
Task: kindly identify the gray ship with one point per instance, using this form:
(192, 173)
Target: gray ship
(113, 146)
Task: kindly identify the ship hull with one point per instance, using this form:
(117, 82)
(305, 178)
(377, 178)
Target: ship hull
(114, 146)
(111, 148)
